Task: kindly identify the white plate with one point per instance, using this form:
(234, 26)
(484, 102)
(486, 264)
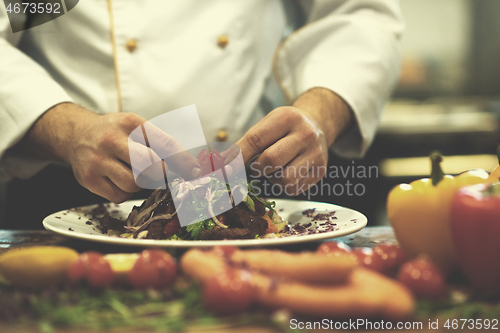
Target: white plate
(78, 223)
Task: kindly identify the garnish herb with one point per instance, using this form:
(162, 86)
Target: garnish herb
(252, 191)
(250, 204)
(195, 228)
(169, 310)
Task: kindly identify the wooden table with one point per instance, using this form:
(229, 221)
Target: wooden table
(9, 239)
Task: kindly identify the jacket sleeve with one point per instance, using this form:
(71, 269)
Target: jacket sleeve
(351, 48)
(26, 92)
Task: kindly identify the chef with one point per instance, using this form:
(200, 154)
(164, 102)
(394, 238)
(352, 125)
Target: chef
(74, 88)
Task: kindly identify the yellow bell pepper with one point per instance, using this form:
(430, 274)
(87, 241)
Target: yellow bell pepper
(419, 212)
(495, 174)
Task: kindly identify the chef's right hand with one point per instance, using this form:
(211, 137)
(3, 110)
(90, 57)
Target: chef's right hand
(99, 150)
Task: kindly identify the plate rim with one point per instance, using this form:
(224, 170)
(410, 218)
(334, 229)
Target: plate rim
(361, 222)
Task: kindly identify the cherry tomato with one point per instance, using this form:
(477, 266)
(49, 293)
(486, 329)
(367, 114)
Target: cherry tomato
(205, 163)
(228, 292)
(225, 250)
(392, 256)
(172, 227)
(216, 159)
(153, 269)
(93, 268)
(366, 257)
(333, 248)
(423, 278)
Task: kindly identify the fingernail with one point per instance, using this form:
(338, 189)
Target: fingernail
(229, 170)
(195, 173)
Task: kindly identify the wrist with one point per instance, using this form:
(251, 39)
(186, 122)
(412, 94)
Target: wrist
(328, 110)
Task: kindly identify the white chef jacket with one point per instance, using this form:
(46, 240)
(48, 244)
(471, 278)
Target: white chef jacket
(153, 56)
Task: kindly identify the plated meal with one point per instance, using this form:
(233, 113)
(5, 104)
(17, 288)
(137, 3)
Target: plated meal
(306, 220)
(158, 216)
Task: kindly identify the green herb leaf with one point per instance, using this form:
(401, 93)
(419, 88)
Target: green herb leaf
(249, 202)
(269, 204)
(195, 228)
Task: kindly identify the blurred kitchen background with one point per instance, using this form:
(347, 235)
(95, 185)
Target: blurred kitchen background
(448, 98)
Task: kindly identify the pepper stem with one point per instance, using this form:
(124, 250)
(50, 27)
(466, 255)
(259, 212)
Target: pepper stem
(493, 189)
(437, 173)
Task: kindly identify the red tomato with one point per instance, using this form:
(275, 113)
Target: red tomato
(333, 248)
(93, 268)
(172, 227)
(216, 159)
(366, 257)
(225, 250)
(228, 292)
(153, 269)
(210, 162)
(392, 256)
(205, 163)
(424, 279)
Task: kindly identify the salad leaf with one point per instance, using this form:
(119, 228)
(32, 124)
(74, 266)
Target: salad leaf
(269, 204)
(252, 191)
(195, 228)
(250, 204)
(218, 188)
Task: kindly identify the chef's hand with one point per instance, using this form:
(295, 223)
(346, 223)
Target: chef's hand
(293, 140)
(97, 148)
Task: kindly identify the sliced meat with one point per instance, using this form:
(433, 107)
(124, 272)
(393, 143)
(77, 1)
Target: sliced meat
(156, 230)
(242, 217)
(230, 233)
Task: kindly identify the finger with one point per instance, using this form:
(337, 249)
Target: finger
(165, 147)
(300, 174)
(262, 135)
(230, 154)
(277, 155)
(121, 175)
(135, 154)
(147, 168)
(314, 175)
(184, 164)
(171, 151)
(295, 188)
(145, 164)
(105, 188)
(291, 173)
(234, 165)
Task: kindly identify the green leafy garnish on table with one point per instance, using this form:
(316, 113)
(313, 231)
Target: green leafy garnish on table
(168, 310)
(459, 305)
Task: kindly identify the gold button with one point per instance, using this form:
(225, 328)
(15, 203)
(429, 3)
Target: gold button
(131, 45)
(222, 41)
(221, 136)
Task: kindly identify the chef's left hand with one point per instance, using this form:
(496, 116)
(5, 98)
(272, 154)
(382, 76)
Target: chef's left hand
(293, 140)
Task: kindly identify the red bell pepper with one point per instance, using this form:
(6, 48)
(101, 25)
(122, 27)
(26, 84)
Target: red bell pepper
(475, 226)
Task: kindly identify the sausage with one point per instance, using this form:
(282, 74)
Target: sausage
(365, 293)
(305, 266)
